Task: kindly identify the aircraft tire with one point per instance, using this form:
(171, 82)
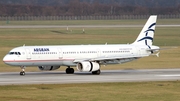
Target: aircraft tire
(70, 71)
(22, 73)
(98, 72)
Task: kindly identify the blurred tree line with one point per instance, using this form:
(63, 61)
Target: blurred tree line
(87, 7)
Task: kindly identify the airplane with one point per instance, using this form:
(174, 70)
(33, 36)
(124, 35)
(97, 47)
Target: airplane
(87, 58)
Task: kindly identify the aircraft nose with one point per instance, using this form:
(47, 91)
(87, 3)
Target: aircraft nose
(9, 60)
(5, 59)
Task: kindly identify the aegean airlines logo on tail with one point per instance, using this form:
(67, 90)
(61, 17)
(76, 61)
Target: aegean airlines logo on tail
(149, 29)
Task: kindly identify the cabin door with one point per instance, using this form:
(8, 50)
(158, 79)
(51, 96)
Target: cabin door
(60, 53)
(98, 52)
(28, 53)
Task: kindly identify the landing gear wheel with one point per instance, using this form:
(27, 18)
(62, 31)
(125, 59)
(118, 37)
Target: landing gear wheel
(96, 72)
(70, 71)
(22, 73)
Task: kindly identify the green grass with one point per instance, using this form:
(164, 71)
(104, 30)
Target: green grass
(140, 91)
(167, 36)
(90, 22)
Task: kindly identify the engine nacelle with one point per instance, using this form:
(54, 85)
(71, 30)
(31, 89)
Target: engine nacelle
(48, 68)
(87, 66)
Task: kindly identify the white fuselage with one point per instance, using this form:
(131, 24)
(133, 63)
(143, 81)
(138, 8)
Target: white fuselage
(70, 54)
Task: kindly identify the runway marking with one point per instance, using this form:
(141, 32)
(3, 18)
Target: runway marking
(170, 75)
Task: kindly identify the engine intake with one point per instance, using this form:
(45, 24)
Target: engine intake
(48, 68)
(87, 66)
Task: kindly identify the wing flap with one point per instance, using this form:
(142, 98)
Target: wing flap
(107, 58)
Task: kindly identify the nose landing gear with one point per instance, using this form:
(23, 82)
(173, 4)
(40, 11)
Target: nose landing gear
(22, 73)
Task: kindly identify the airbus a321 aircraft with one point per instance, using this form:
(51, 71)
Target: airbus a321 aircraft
(87, 58)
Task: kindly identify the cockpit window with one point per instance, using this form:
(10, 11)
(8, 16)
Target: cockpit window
(11, 53)
(14, 53)
(19, 53)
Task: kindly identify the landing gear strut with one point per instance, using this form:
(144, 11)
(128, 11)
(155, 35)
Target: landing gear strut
(96, 72)
(22, 73)
(69, 70)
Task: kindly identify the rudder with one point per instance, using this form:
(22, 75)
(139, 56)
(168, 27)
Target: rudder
(147, 33)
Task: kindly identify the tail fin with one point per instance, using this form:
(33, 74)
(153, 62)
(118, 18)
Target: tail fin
(147, 33)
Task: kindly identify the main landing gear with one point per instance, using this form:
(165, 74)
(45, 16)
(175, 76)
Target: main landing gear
(96, 72)
(22, 73)
(69, 70)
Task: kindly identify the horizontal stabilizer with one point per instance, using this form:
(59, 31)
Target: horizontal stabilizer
(157, 54)
(157, 49)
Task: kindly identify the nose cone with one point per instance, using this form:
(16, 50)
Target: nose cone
(4, 59)
(7, 60)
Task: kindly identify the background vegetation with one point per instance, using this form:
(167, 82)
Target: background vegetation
(87, 7)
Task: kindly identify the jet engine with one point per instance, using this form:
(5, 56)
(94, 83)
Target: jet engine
(87, 66)
(48, 68)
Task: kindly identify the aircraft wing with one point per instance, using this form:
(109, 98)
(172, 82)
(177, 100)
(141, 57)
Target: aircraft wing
(104, 59)
(113, 58)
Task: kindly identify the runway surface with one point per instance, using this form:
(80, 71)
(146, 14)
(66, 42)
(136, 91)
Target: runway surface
(79, 26)
(59, 77)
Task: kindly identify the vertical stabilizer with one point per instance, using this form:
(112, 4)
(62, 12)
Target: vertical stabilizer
(147, 33)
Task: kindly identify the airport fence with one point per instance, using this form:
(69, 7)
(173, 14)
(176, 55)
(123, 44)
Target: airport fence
(114, 17)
